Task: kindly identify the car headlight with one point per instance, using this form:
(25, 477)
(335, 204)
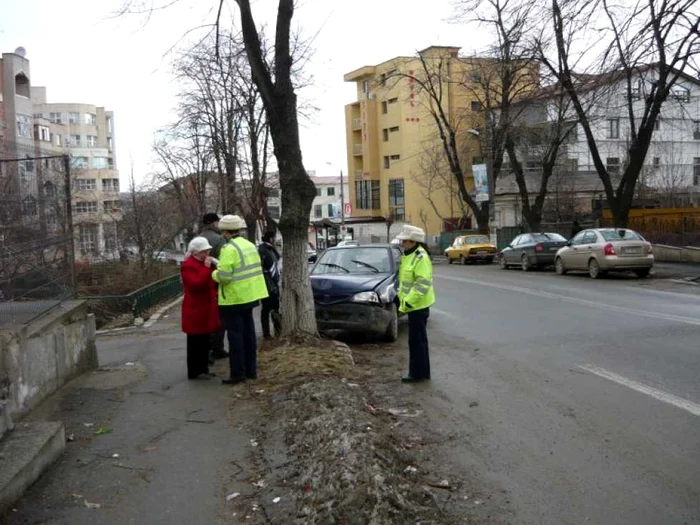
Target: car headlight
(387, 293)
(365, 297)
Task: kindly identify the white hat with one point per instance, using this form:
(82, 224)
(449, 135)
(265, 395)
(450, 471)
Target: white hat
(231, 223)
(411, 233)
(198, 244)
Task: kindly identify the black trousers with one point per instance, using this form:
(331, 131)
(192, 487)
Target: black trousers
(269, 305)
(197, 355)
(419, 355)
(242, 344)
(217, 343)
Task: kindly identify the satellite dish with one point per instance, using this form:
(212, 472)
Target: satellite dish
(21, 51)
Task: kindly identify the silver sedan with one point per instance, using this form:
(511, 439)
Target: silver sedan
(602, 250)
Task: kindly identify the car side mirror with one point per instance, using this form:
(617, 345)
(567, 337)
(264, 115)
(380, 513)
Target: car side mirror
(568, 243)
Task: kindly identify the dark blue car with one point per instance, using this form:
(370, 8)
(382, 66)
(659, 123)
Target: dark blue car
(355, 289)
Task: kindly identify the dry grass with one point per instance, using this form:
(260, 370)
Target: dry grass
(292, 362)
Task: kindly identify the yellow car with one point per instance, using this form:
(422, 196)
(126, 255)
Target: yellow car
(471, 248)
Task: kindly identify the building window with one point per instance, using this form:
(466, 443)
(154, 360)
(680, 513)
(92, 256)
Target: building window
(612, 164)
(365, 87)
(330, 191)
(26, 169)
(613, 128)
(657, 162)
(476, 105)
(696, 171)
(22, 86)
(24, 126)
(477, 160)
(90, 119)
(88, 239)
(657, 124)
(110, 163)
(55, 118)
(330, 210)
(394, 129)
(110, 236)
(385, 107)
(73, 118)
(43, 134)
(85, 207)
(387, 163)
(274, 211)
(29, 206)
(385, 135)
(110, 184)
(110, 143)
(112, 206)
(109, 125)
(80, 163)
(91, 141)
(394, 157)
(318, 211)
(100, 163)
(393, 100)
(475, 76)
(318, 191)
(85, 184)
(367, 194)
(681, 94)
(75, 141)
(57, 139)
(396, 195)
(696, 130)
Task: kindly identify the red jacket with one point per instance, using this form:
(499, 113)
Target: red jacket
(200, 310)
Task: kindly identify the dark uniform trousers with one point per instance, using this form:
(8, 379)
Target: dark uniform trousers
(419, 356)
(242, 344)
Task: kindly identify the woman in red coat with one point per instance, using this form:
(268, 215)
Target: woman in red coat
(200, 311)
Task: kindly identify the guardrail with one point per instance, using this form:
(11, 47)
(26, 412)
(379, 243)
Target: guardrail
(137, 302)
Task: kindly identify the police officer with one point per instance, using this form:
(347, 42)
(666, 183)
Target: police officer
(241, 286)
(416, 296)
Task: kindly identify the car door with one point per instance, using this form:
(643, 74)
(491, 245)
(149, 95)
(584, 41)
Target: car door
(588, 246)
(523, 246)
(509, 251)
(571, 255)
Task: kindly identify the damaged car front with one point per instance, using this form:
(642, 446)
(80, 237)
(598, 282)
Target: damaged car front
(355, 290)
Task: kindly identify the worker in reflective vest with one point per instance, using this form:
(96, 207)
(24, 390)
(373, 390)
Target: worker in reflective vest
(241, 286)
(416, 296)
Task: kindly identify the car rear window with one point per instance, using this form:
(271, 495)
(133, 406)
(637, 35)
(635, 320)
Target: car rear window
(544, 237)
(476, 240)
(621, 235)
(354, 260)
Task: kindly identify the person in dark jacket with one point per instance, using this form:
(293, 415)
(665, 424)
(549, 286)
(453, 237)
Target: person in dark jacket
(211, 233)
(269, 257)
(200, 311)
(575, 228)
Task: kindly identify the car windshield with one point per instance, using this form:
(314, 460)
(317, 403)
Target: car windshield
(482, 239)
(544, 237)
(620, 235)
(354, 261)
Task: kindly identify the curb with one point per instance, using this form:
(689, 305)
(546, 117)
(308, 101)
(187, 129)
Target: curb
(151, 321)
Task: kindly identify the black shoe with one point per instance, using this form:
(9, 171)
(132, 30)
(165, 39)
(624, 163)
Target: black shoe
(232, 380)
(252, 378)
(409, 379)
(200, 377)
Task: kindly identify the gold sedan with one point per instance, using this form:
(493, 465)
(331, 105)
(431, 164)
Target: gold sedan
(471, 248)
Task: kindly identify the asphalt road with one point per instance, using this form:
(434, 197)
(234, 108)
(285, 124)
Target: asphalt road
(588, 393)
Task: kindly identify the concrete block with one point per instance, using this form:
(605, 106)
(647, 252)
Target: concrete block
(25, 453)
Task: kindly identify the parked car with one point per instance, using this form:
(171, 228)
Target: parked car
(311, 254)
(603, 250)
(355, 289)
(471, 248)
(532, 250)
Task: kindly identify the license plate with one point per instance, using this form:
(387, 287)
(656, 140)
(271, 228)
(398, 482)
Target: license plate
(482, 253)
(553, 249)
(632, 250)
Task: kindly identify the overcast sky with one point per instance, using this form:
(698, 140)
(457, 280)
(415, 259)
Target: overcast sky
(82, 54)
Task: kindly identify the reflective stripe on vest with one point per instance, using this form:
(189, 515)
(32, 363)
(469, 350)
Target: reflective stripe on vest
(242, 272)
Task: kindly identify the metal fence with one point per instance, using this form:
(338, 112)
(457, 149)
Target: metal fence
(36, 248)
(669, 226)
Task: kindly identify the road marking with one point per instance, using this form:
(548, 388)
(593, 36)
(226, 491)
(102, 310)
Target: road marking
(443, 312)
(660, 395)
(584, 302)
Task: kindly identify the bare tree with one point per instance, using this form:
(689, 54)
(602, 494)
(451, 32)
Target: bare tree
(650, 46)
(277, 91)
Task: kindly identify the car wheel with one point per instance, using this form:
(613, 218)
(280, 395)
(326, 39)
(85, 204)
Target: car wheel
(559, 266)
(449, 260)
(463, 260)
(503, 263)
(525, 263)
(644, 272)
(392, 330)
(594, 269)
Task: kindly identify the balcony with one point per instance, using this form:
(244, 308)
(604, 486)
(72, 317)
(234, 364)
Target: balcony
(358, 150)
(356, 124)
(359, 174)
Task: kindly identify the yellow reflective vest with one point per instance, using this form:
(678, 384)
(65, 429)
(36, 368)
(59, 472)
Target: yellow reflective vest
(239, 273)
(416, 281)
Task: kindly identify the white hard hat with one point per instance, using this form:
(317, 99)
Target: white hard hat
(411, 233)
(198, 244)
(231, 223)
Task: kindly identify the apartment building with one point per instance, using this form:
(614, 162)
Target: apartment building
(396, 165)
(41, 132)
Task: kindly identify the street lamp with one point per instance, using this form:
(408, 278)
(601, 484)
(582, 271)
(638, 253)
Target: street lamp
(342, 198)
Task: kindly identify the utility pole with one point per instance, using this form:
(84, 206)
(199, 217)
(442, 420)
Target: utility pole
(342, 204)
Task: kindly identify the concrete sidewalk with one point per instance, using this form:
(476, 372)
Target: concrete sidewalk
(671, 270)
(145, 444)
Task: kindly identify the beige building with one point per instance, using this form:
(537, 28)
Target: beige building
(396, 162)
(31, 128)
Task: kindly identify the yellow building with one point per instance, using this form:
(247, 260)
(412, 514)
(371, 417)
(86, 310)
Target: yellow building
(396, 163)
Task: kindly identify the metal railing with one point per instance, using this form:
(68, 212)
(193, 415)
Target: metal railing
(137, 302)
